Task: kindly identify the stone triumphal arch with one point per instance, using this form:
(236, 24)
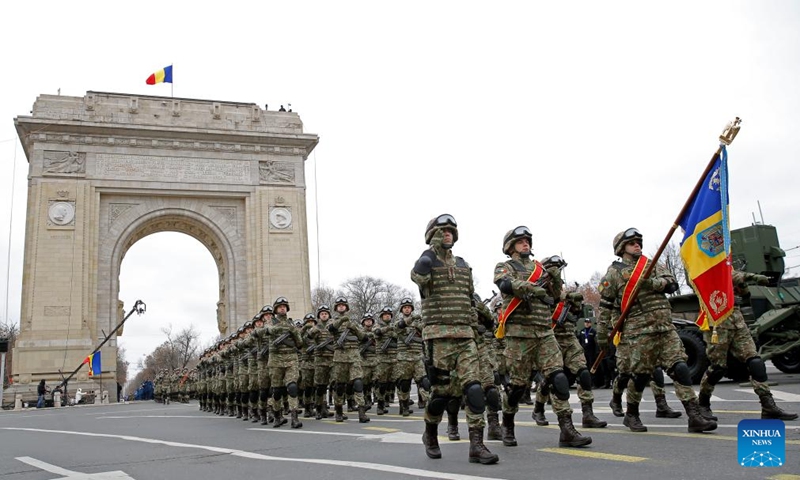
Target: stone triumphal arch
(108, 169)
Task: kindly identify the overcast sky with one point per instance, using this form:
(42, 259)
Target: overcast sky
(577, 119)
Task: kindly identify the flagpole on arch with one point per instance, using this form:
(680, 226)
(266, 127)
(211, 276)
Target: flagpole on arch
(725, 139)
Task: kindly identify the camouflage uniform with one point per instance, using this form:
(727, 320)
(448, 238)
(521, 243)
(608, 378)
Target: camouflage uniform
(323, 359)
(261, 337)
(284, 340)
(649, 339)
(386, 374)
(484, 338)
(409, 357)
(530, 341)
(734, 339)
(369, 362)
(446, 287)
(347, 361)
(307, 367)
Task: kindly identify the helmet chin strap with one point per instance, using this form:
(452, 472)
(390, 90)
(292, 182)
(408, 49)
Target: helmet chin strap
(447, 246)
(525, 255)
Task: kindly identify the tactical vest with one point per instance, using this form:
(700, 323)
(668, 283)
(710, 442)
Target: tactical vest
(647, 300)
(323, 336)
(350, 339)
(533, 312)
(284, 326)
(448, 302)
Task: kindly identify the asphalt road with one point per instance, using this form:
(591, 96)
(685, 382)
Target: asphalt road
(145, 440)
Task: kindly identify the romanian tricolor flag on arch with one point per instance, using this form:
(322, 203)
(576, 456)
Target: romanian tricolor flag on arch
(706, 246)
(162, 76)
(95, 366)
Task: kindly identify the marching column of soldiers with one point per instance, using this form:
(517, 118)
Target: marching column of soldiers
(463, 355)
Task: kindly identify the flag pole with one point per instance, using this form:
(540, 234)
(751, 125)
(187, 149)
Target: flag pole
(725, 139)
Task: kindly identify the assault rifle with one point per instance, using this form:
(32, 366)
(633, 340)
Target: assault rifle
(342, 338)
(264, 351)
(320, 346)
(385, 345)
(282, 339)
(366, 345)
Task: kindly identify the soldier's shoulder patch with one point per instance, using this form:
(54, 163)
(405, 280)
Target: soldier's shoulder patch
(500, 269)
(603, 285)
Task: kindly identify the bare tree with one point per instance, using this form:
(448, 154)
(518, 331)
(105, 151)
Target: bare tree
(671, 259)
(370, 294)
(184, 345)
(10, 331)
(122, 366)
(323, 295)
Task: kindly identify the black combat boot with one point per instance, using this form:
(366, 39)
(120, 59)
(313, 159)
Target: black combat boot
(325, 412)
(239, 411)
(538, 414)
(309, 410)
(632, 419)
(452, 427)
(526, 397)
(616, 404)
(704, 406)
(338, 415)
(589, 420)
(494, 431)
(431, 440)
(409, 404)
(319, 416)
(279, 419)
(296, 423)
(478, 453)
(362, 414)
(663, 409)
(351, 405)
(697, 424)
(420, 401)
(381, 410)
(258, 415)
(770, 410)
(245, 414)
(509, 440)
(569, 436)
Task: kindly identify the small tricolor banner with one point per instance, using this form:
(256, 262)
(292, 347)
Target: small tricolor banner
(162, 76)
(706, 246)
(94, 364)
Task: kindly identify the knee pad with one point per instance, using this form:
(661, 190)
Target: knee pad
(498, 379)
(437, 406)
(681, 374)
(560, 384)
(426, 383)
(404, 385)
(340, 389)
(640, 381)
(493, 398)
(349, 389)
(358, 385)
(321, 389)
(292, 389)
(453, 405)
(757, 369)
(544, 388)
(263, 395)
(474, 396)
(658, 376)
(516, 393)
(585, 379)
(715, 374)
(254, 396)
(277, 393)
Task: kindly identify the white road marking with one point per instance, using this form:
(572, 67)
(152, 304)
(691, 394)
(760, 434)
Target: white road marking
(72, 475)
(393, 437)
(117, 417)
(415, 472)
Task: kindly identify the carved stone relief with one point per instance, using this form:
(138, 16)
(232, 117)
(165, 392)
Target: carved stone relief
(64, 162)
(275, 172)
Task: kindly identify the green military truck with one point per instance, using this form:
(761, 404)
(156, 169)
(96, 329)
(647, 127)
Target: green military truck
(772, 312)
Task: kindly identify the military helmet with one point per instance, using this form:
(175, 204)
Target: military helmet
(266, 309)
(554, 261)
(442, 221)
(624, 237)
(248, 324)
(407, 301)
(386, 310)
(240, 330)
(323, 308)
(367, 316)
(309, 316)
(341, 301)
(512, 236)
(281, 301)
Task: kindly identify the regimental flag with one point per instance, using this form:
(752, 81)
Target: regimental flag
(94, 364)
(162, 76)
(706, 246)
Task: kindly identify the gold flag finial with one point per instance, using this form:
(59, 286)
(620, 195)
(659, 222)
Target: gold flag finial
(731, 129)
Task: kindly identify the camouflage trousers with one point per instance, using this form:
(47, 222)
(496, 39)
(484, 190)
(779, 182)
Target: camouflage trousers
(574, 361)
(385, 372)
(283, 370)
(370, 370)
(323, 365)
(647, 351)
(738, 342)
(459, 356)
(624, 367)
(344, 373)
(523, 355)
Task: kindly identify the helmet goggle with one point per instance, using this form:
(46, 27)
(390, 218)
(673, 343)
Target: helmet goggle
(445, 219)
(630, 234)
(554, 261)
(522, 231)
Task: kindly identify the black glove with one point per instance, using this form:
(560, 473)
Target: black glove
(423, 265)
(671, 288)
(378, 332)
(401, 323)
(332, 328)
